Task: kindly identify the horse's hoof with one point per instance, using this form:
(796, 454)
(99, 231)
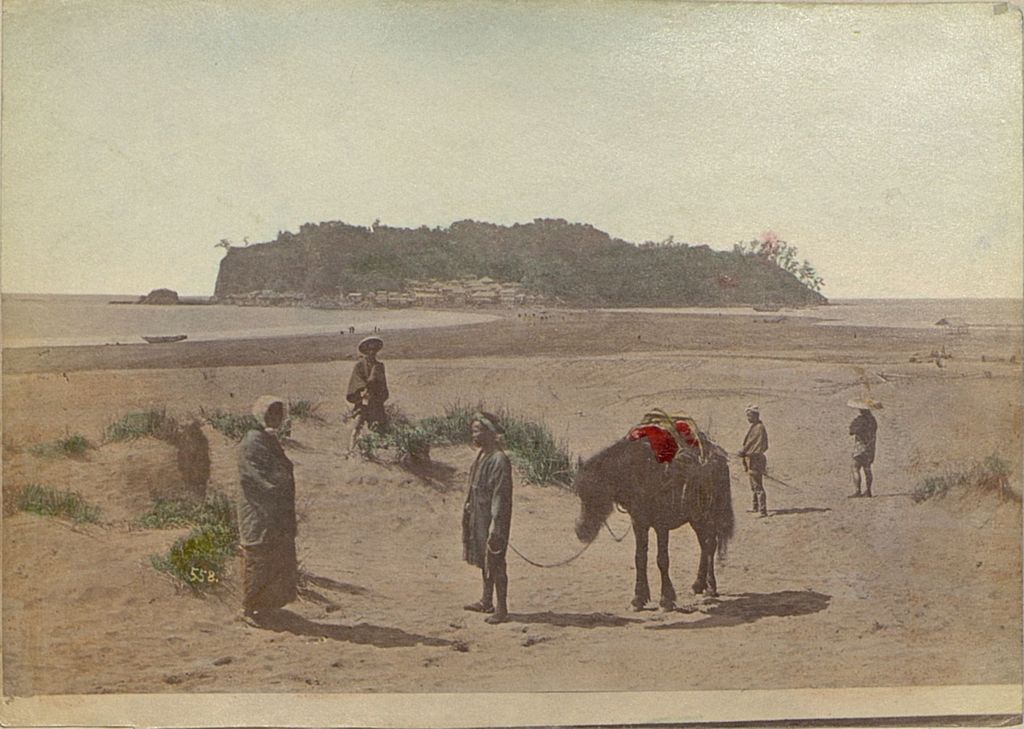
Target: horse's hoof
(667, 605)
(637, 605)
(697, 588)
(711, 593)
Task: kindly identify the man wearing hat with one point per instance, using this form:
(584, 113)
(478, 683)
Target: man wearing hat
(754, 462)
(368, 389)
(863, 429)
(487, 516)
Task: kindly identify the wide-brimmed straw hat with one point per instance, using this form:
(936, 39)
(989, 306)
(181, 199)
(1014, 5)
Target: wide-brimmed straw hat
(370, 343)
(864, 404)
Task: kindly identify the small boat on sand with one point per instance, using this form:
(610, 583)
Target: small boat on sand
(165, 340)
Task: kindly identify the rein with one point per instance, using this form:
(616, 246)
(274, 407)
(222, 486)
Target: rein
(564, 562)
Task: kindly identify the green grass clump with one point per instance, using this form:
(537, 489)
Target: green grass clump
(154, 423)
(992, 475)
(46, 501)
(198, 559)
(231, 425)
(216, 509)
(305, 410)
(74, 444)
(530, 444)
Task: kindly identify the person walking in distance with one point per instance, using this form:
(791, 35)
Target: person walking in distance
(487, 516)
(864, 430)
(754, 462)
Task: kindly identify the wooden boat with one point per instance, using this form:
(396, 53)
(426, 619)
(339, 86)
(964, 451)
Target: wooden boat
(165, 340)
(768, 307)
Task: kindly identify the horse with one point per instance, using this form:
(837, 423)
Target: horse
(660, 497)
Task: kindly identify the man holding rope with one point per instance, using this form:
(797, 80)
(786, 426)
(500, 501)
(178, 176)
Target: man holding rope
(754, 462)
(487, 516)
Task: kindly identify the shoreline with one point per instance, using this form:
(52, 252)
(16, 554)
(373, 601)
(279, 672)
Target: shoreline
(587, 333)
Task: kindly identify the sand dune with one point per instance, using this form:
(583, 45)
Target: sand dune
(827, 592)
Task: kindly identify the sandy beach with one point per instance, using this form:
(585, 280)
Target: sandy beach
(826, 592)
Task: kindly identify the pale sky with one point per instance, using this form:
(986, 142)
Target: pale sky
(884, 142)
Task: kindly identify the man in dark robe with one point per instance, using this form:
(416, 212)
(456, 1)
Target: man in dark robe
(487, 517)
(368, 390)
(863, 429)
(754, 461)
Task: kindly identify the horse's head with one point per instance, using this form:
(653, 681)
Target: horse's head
(595, 492)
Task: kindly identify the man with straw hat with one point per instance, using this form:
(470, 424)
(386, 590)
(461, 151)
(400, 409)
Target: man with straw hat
(487, 516)
(863, 429)
(754, 462)
(368, 390)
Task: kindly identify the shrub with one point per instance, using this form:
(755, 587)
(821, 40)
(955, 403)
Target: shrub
(70, 445)
(45, 501)
(153, 423)
(992, 475)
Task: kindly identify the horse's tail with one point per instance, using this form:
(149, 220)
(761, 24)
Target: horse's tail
(722, 515)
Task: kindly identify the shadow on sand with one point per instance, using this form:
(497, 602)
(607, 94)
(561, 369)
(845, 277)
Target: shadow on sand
(572, 620)
(327, 583)
(751, 607)
(438, 476)
(802, 510)
(285, 621)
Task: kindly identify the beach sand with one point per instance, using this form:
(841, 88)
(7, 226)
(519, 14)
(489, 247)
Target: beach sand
(827, 592)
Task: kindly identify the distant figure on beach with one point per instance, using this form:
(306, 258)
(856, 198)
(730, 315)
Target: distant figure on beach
(864, 429)
(368, 390)
(266, 515)
(754, 462)
(487, 516)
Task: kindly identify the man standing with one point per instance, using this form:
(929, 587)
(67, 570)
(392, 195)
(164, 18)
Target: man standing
(863, 429)
(754, 461)
(487, 516)
(367, 389)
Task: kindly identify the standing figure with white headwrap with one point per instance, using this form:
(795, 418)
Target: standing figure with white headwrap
(266, 514)
(487, 516)
(754, 461)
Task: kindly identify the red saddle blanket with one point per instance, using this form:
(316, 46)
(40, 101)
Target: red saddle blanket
(663, 443)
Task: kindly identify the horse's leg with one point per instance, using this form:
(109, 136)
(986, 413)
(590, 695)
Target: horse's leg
(668, 592)
(707, 555)
(642, 593)
(701, 583)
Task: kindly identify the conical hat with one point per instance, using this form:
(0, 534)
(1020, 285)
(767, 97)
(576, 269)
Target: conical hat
(864, 404)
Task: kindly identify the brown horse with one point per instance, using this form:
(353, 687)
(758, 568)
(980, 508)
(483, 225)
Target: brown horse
(662, 497)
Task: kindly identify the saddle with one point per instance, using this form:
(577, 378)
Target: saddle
(670, 436)
(674, 438)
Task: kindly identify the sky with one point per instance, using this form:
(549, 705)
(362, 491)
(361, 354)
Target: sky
(885, 143)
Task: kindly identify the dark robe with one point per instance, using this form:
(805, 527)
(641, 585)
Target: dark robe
(266, 522)
(488, 509)
(864, 429)
(368, 391)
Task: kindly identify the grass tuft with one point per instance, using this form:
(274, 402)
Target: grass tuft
(216, 509)
(155, 423)
(46, 501)
(236, 426)
(992, 476)
(199, 558)
(530, 444)
(305, 410)
(71, 445)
